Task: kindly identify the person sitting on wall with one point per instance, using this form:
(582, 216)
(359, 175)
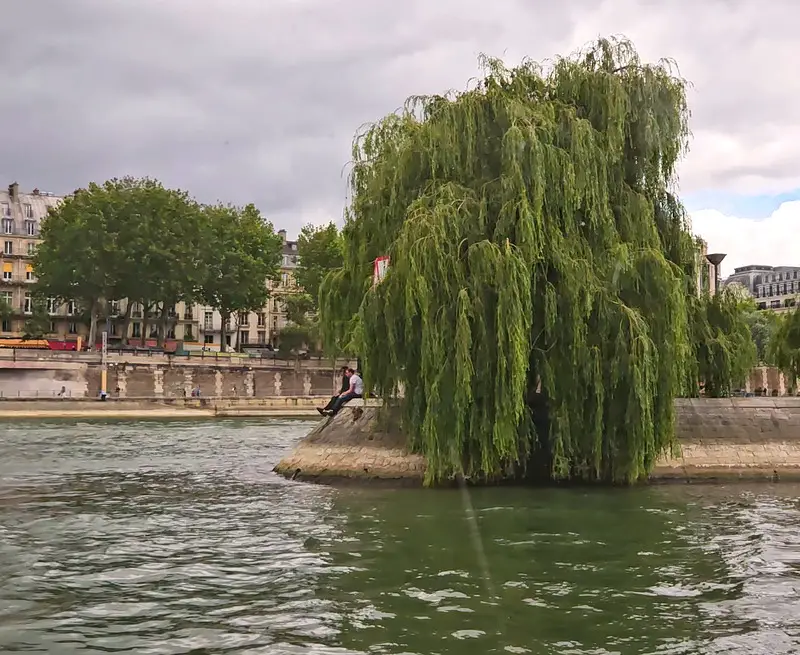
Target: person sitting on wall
(356, 390)
(345, 387)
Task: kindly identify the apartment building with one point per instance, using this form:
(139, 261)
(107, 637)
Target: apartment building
(21, 214)
(773, 287)
(259, 328)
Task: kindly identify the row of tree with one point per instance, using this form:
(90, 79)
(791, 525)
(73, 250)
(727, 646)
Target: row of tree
(135, 239)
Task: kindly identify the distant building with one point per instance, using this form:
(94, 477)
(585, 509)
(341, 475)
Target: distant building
(772, 287)
(21, 214)
(259, 328)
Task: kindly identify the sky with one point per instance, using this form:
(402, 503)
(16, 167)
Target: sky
(258, 100)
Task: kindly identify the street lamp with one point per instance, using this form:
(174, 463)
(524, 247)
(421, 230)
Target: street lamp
(715, 259)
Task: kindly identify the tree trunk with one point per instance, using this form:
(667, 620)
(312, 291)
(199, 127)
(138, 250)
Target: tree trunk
(92, 325)
(237, 345)
(163, 319)
(223, 332)
(126, 321)
(145, 321)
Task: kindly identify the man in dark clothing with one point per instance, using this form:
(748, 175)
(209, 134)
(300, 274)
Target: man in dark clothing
(356, 390)
(345, 387)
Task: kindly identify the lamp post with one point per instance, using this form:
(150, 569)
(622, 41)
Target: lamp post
(715, 259)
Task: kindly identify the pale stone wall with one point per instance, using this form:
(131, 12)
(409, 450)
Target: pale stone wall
(736, 438)
(142, 379)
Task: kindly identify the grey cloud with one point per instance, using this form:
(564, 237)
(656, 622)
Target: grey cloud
(249, 100)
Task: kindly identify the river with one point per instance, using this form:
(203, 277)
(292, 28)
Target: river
(175, 537)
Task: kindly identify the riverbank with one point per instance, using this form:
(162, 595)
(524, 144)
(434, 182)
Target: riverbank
(754, 439)
(138, 408)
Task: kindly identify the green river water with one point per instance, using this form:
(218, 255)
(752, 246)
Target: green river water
(175, 537)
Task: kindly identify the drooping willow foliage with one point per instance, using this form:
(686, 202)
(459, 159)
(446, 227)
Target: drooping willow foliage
(724, 347)
(538, 259)
(784, 346)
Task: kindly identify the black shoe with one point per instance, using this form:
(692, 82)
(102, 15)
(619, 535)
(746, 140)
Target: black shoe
(321, 411)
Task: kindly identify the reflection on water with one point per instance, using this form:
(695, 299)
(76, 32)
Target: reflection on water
(176, 538)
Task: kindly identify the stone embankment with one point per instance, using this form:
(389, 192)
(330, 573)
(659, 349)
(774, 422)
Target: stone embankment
(718, 439)
(156, 407)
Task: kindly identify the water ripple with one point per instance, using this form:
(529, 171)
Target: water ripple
(167, 538)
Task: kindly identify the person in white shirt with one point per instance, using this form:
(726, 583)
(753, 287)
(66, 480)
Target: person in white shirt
(356, 390)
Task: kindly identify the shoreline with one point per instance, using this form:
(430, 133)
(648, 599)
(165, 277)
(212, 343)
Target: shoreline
(717, 441)
(166, 408)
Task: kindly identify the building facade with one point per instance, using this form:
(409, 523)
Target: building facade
(196, 325)
(255, 329)
(772, 287)
(21, 215)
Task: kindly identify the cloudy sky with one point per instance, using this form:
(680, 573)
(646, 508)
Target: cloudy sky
(258, 100)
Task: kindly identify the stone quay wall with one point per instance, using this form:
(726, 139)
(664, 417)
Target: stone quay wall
(144, 378)
(717, 439)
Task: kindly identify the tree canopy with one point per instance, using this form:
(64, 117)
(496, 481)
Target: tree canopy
(538, 259)
(138, 240)
(319, 250)
(241, 253)
(784, 345)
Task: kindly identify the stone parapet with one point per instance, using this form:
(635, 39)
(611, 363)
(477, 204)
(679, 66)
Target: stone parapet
(717, 439)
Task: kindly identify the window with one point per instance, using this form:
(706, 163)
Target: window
(244, 337)
(28, 210)
(8, 269)
(52, 306)
(171, 333)
(262, 319)
(208, 338)
(112, 329)
(71, 307)
(228, 324)
(188, 335)
(5, 209)
(113, 308)
(72, 328)
(31, 248)
(30, 228)
(285, 279)
(8, 298)
(6, 325)
(29, 273)
(262, 336)
(8, 226)
(173, 312)
(188, 314)
(208, 321)
(244, 318)
(53, 327)
(136, 329)
(275, 306)
(136, 312)
(153, 331)
(27, 306)
(8, 248)
(286, 260)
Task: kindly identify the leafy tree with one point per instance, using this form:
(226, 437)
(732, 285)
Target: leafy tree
(320, 251)
(241, 252)
(542, 298)
(723, 342)
(37, 323)
(763, 323)
(127, 238)
(784, 346)
(298, 308)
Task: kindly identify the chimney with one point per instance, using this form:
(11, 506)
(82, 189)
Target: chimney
(282, 235)
(13, 190)
(36, 191)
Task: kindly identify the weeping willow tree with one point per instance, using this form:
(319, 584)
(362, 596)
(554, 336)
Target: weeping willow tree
(784, 345)
(538, 259)
(724, 347)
